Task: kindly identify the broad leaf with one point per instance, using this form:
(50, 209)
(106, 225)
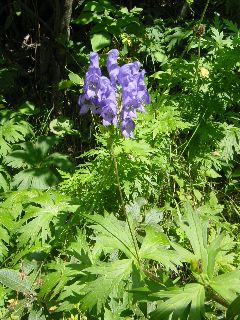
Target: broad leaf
(100, 40)
(110, 275)
(181, 302)
(14, 280)
(35, 225)
(156, 247)
(12, 131)
(113, 234)
(227, 285)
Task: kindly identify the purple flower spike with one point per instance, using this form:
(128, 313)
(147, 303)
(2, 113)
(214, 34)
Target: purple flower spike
(99, 92)
(112, 66)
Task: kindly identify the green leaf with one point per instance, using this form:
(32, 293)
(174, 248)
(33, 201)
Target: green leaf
(234, 309)
(35, 225)
(65, 84)
(113, 234)
(227, 285)
(13, 279)
(38, 163)
(27, 108)
(100, 40)
(213, 249)
(30, 154)
(181, 301)
(111, 274)
(39, 178)
(75, 78)
(196, 231)
(156, 247)
(36, 314)
(61, 126)
(84, 18)
(212, 174)
(94, 6)
(12, 131)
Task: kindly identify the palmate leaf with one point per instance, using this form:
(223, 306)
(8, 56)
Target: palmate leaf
(113, 234)
(37, 178)
(12, 131)
(35, 225)
(110, 275)
(39, 166)
(203, 253)
(31, 154)
(181, 303)
(227, 285)
(196, 232)
(55, 281)
(70, 296)
(156, 246)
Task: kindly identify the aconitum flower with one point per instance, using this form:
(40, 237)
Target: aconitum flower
(112, 66)
(108, 104)
(126, 82)
(88, 100)
(128, 127)
(134, 95)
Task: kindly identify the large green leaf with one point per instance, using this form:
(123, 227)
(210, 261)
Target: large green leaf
(12, 131)
(100, 40)
(31, 154)
(203, 258)
(156, 246)
(181, 303)
(196, 232)
(37, 164)
(38, 178)
(14, 280)
(227, 285)
(36, 223)
(113, 234)
(110, 275)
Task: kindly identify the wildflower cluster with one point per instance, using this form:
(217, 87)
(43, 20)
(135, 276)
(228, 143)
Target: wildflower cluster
(117, 98)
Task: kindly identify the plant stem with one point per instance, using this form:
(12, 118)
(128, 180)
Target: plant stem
(215, 297)
(197, 27)
(123, 204)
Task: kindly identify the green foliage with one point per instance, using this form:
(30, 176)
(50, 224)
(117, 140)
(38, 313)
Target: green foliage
(109, 22)
(13, 128)
(35, 160)
(191, 297)
(143, 228)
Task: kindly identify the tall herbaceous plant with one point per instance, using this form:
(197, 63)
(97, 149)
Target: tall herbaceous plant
(116, 98)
